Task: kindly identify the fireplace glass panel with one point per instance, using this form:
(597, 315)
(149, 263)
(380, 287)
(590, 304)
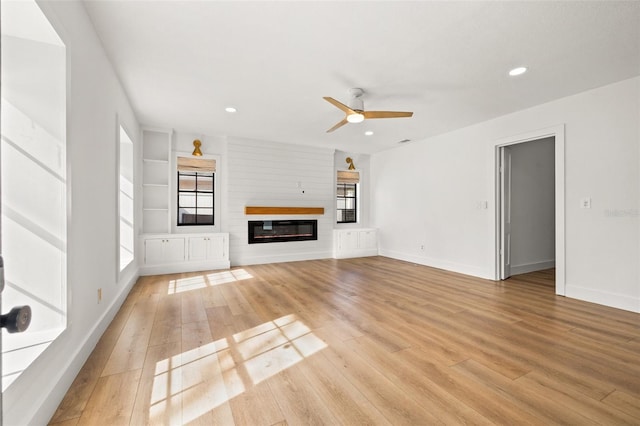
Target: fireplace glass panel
(273, 231)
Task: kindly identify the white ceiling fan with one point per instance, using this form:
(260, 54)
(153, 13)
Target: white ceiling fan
(356, 113)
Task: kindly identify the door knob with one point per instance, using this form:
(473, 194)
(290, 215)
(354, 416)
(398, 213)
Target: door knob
(17, 320)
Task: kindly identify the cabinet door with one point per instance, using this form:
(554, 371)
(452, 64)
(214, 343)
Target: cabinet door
(198, 248)
(348, 240)
(216, 247)
(174, 250)
(153, 251)
(367, 240)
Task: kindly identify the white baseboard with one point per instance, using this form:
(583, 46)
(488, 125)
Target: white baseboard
(619, 301)
(440, 264)
(281, 258)
(532, 267)
(355, 253)
(175, 268)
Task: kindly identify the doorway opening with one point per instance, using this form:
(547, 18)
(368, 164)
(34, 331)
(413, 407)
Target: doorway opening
(530, 205)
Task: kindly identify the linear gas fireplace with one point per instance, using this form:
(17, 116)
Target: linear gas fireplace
(276, 231)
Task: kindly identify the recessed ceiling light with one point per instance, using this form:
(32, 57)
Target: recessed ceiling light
(517, 71)
(230, 109)
(368, 133)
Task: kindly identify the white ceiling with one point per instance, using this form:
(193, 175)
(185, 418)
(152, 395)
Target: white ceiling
(183, 62)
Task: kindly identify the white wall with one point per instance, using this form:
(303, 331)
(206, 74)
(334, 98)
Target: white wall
(532, 206)
(262, 173)
(430, 193)
(94, 99)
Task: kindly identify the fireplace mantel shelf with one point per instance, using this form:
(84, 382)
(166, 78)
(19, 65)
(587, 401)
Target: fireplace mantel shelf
(283, 210)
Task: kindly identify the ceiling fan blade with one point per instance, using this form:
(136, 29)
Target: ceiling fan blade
(340, 105)
(386, 114)
(340, 124)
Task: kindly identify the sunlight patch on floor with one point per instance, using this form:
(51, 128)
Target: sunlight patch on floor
(182, 285)
(208, 376)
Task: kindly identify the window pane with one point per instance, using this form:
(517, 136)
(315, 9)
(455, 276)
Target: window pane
(187, 182)
(350, 190)
(340, 190)
(204, 216)
(341, 204)
(188, 210)
(187, 200)
(351, 203)
(205, 183)
(205, 200)
(186, 216)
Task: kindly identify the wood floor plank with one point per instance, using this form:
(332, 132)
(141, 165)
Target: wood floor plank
(70, 422)
(442, 405)
(526, 398)
(131, 347)
(576, 401)
(159, 396)
(192, 308)
(357, 341)
(112, 400)
(625, 403)
(298, 399)
(389, 399)
(496, 408)
(348, 404)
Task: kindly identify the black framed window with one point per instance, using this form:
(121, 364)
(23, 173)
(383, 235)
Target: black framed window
(195, 198)
(347, 203)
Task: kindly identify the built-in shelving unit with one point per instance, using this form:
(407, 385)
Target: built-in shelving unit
(156, 154)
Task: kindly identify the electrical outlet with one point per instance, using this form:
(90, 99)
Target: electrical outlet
(99, 295)
(422, 247)
(585, 203)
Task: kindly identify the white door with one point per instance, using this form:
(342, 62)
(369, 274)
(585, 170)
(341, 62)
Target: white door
(505, 212)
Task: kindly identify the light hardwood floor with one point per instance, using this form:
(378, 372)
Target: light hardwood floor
(359, 341)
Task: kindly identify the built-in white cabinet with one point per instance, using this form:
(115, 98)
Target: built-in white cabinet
(172, 253)
(210, 247)
(355, 243)
(164, 250)
(156, 156)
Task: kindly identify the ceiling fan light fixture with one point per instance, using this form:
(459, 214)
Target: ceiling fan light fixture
(355, 118)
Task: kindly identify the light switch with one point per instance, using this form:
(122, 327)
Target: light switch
(585, 203)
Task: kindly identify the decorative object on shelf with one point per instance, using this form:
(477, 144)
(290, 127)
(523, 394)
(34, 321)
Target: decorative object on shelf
(350, 163)
(197, 144)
